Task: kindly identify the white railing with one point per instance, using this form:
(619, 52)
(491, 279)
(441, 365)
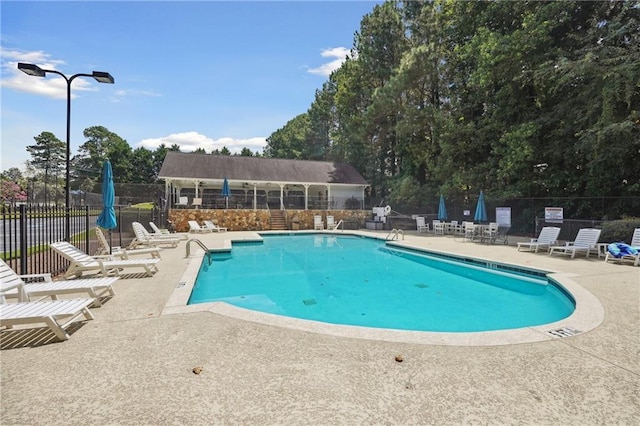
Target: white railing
(202, 246)
(394, 234)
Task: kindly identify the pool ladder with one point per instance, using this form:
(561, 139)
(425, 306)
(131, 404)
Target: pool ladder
(202, 246)
(394, 234)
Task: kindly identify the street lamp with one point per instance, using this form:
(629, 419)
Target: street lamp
(101, 77)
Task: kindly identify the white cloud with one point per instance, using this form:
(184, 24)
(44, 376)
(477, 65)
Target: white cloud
(52, 86)
(339, 53)
(190, 141)
(120, 94)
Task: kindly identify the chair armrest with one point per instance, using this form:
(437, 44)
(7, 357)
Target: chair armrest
(104, 258)
(45, 277)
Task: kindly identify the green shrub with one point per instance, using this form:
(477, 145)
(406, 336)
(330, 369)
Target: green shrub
(619, 230)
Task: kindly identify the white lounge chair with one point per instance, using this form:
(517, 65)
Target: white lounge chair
(195, 227)
(52, 313)
(143, 238)
(82, 262)
(12, 285)
(124, 253)
(156, 230)
(634, 258)
(213, 227)
(421, 225)
(164, 233)
(318, 224)
(586, 240)
(331, 224)
(547, 237)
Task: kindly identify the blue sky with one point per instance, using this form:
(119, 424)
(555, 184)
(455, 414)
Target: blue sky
(200, 74)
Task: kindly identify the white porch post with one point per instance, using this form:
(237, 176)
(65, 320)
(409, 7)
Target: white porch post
(306, 196)
(197, 183)
(167, 194)
(281, 196)
(255, 197)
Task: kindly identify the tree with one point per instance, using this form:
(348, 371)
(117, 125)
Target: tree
(101, 145)
(290, 141)
(142, 162)
(48, 155)
(11, 192)
(13, 174)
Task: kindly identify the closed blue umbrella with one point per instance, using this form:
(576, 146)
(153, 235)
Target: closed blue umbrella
(107, 218)
(442, 209)
(481, 210)
(226, 192)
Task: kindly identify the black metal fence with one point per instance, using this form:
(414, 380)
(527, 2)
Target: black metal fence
(526, 213)
(27, 230)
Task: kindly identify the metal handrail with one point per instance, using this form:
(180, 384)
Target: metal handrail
(395, 233)
(202, 246)
(337, 225)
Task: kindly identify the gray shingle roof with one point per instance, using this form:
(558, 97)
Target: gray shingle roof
(179, 165)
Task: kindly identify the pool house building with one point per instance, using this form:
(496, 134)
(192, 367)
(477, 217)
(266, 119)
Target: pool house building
(195, 182)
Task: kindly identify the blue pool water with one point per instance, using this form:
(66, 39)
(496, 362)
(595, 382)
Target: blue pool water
(360, 281)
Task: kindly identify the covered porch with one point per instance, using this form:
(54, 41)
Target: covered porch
(207, 194)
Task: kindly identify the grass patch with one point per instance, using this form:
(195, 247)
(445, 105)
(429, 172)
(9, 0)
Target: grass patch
(143, 206)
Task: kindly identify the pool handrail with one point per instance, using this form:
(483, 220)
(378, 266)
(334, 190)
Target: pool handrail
(202, 246)
(396, 232)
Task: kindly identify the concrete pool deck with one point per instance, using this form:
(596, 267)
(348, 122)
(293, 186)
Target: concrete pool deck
(134, 365)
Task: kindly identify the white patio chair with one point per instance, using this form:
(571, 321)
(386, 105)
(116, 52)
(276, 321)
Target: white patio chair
(470, 231)
(331, 224)
(182, 202)
(585, 241)
(547, 237)
(421, 225)
(318, 223)
(438, 227)
(107, 265)
(490, 233)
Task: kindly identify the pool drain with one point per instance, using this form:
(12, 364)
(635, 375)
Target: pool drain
(564, 332)
(309, 302)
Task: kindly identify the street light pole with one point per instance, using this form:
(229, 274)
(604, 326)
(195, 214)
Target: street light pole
(100, 77)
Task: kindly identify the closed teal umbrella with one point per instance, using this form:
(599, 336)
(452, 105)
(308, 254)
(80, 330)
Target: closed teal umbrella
(481, 210)
(107, 218)
(226, 192)
(442, 209)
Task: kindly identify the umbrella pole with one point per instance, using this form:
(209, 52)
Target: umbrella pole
(110, 243)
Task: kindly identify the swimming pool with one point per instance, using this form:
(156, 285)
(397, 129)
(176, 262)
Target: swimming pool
(360, 281)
